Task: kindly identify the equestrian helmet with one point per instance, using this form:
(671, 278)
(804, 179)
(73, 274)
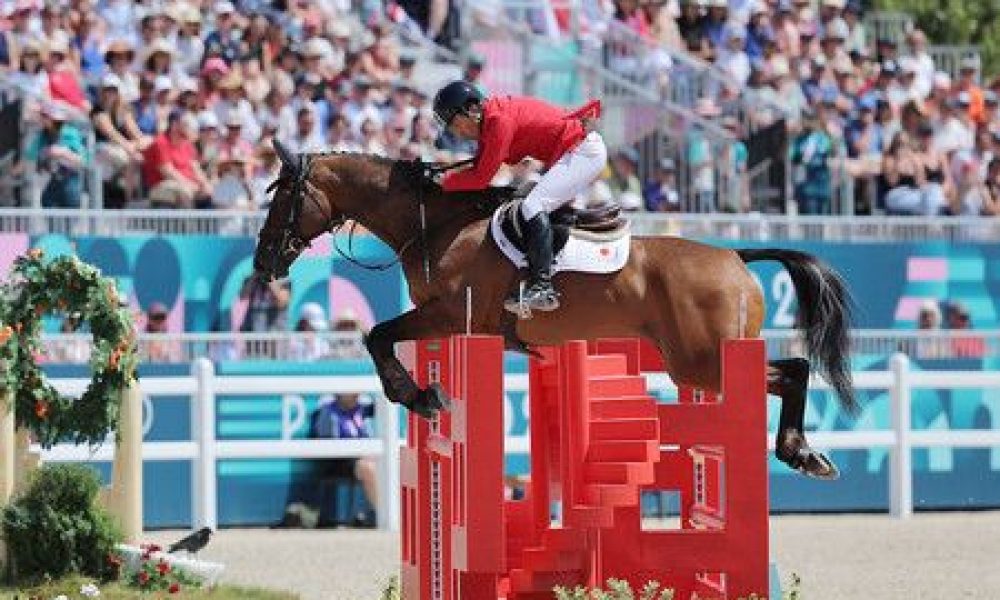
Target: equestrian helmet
(455, 98)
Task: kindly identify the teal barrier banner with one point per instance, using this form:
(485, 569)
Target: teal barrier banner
(199, 278)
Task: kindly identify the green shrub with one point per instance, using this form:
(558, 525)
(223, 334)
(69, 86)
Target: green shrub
(56, 527)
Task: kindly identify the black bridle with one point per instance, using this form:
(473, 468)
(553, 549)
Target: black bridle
(290, 243)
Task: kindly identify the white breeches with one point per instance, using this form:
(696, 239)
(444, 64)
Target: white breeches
(570, 176)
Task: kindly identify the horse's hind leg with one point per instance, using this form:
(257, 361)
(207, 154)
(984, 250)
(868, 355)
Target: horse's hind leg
(789, 379)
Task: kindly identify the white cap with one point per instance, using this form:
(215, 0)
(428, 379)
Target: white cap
(110, 80)
(314, 314)
(223, 7)
(163, 84)
(208, 120)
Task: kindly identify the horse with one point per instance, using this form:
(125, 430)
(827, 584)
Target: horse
(684, 296)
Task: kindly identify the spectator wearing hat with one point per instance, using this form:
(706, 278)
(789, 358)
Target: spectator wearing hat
(856, 37)
(232, 101)
(118, 57)
(64, 79)
(60, 151)
(208, 142)
(732, 59)
(267, 167)
(786, 30)
(309, 347)
(29, 76)
(234, 147)
(624, 179)
(922, 60)
(212, 73)
(660, 192)
(224, 41)
(968, 84)
(812, 151)
(715, 23)
(691, 25)
(163, 100)
(170, 166)
(119, 142)
(158, 59)
(189, 44)
(759, 31)
(957, 131)
(991, 110)
(835, 32)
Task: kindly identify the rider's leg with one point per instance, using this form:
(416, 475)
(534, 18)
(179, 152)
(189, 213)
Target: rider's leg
(567, 178)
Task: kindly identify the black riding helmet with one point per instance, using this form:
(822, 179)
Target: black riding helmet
(455, 98)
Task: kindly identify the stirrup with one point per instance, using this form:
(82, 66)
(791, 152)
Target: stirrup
(517, 303)
(542, 297)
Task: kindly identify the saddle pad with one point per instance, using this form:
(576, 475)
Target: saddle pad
(582, 253)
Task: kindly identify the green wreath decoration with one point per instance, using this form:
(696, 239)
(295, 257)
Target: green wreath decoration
(69, 287)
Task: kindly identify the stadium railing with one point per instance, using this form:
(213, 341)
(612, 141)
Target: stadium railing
(728, 226)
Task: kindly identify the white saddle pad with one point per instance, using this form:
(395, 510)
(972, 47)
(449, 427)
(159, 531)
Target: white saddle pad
(581, 253)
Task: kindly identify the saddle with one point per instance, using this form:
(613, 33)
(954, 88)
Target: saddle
(599, 223)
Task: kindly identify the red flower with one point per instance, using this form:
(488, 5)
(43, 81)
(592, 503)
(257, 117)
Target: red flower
(41, 409)
(174, 588)
(163, 568)
(143, 578)
(114, 560)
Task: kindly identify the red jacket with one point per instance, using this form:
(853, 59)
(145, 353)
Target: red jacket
(515, 127)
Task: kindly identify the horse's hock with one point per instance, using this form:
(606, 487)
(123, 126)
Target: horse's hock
(598, 440)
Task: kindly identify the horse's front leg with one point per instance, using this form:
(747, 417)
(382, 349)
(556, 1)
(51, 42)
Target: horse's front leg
(422, 322)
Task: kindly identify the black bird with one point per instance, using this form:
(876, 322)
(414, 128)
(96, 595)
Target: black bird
(192, 543)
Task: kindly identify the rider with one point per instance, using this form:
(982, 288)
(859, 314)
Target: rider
(508, 129)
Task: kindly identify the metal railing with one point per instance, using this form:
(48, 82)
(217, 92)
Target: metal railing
(332, 346)
(752, 226)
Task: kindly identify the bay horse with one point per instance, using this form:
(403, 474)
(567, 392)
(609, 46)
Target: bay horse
(683, 295)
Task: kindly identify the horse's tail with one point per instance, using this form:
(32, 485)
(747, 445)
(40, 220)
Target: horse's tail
(824, 314)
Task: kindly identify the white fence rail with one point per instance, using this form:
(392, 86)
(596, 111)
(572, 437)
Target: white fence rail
(751, 226)
(205, 449)
(310, 347)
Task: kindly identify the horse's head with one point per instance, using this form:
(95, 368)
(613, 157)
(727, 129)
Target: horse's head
(292, 222)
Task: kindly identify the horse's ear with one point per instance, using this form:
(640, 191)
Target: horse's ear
(287, 160)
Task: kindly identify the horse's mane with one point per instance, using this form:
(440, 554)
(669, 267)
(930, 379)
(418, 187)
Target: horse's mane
(407, 176)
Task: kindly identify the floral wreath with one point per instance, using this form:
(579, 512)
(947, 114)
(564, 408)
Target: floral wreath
(72, 288)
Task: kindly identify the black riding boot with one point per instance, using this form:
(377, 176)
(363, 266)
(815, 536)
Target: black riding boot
(539, 293)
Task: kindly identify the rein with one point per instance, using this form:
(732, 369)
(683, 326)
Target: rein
(292, 242)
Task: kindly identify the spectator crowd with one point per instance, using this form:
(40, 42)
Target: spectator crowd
(873, 114)
(184, 97)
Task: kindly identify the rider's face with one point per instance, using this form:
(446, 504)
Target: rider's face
(464, 126)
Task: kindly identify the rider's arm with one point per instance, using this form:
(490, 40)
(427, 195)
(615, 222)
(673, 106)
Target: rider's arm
(493, 145)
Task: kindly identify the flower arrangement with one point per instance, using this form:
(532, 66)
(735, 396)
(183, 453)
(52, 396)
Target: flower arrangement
(154, 573)
(72, 288)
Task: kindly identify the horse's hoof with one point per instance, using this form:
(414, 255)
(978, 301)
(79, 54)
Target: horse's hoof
(430, 400)
(813, 464)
